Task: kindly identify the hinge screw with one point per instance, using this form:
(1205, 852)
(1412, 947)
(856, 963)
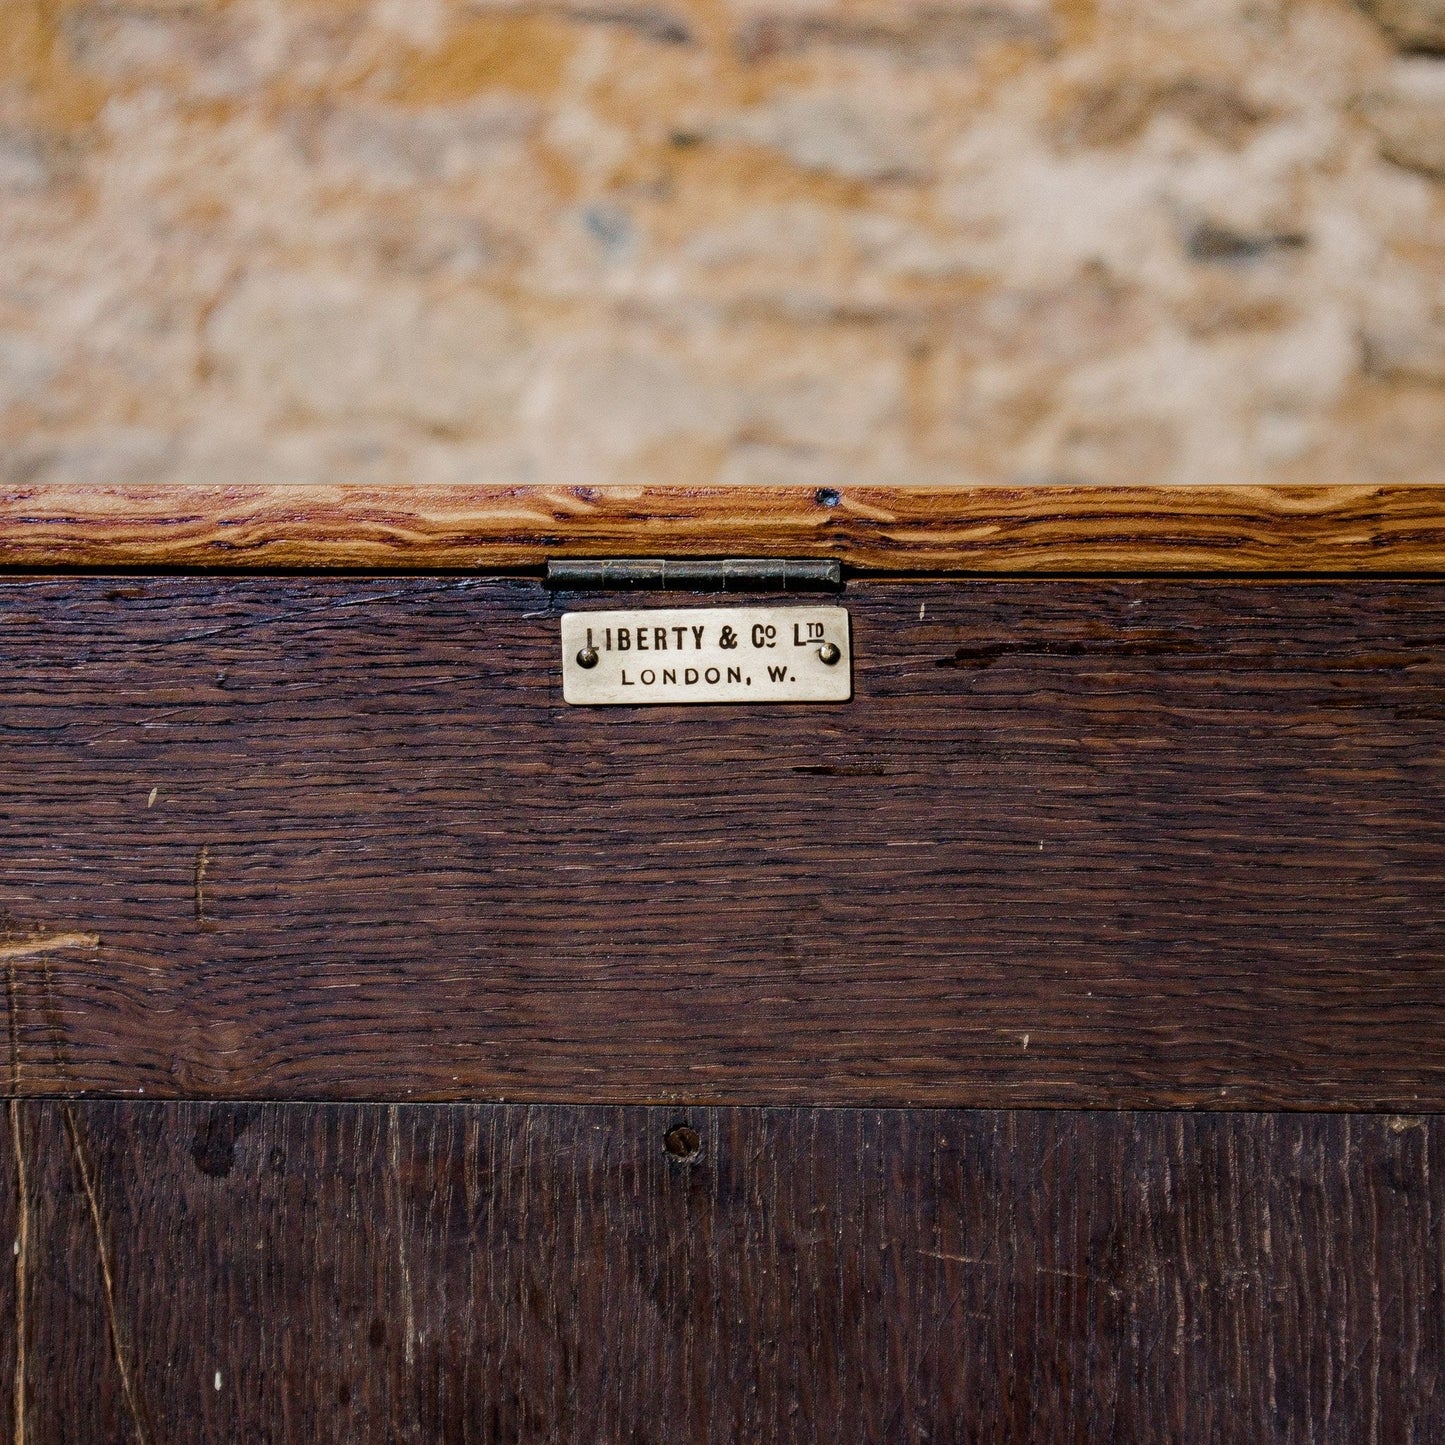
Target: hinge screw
(587, 657)
(830, 652)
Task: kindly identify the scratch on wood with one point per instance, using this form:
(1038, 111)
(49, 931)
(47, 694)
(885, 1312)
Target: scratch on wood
(12, 950)
(203, 865)
(77, 1147)
(935, 1336)
(12, 1014)
(37, 947)
(53, 1025)
(403, 1261)
(22, 1260)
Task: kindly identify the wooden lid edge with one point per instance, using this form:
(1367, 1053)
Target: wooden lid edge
(1077, 530)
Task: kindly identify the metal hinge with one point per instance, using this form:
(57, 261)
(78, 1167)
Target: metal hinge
(662, 574)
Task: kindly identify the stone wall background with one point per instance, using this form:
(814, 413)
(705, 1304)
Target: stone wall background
(722, 240)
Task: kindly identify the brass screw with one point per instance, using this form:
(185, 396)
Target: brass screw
(830, 652)
(587, 657)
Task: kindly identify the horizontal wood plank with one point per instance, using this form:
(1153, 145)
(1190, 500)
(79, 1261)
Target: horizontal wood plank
(1123, 844)
(206, 1273)
(977, 530)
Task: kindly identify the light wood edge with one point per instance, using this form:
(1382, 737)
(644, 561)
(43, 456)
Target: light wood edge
(920, 530)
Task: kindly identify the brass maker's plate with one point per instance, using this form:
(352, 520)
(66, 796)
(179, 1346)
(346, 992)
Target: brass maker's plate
(707, 654)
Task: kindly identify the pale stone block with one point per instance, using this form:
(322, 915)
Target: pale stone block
(1417, 23)
(331, 345)
(855, 136)
(26, 365)
(1404, 325)
(1409, 115)
(396, 150)
(25, 164)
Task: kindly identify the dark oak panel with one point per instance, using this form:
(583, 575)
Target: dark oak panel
(1078, 843)
(962, 529)
(534, 1274)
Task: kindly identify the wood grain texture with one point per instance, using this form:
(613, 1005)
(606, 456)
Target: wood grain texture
(1125, 844)
(203, 1273)
(1053, 529)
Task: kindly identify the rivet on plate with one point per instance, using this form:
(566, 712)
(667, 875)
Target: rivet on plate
(830, 652)
(587, 657)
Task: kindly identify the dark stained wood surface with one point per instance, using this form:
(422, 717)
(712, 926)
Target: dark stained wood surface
(1086, 844)
(1046, 529)
(196, 1273)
